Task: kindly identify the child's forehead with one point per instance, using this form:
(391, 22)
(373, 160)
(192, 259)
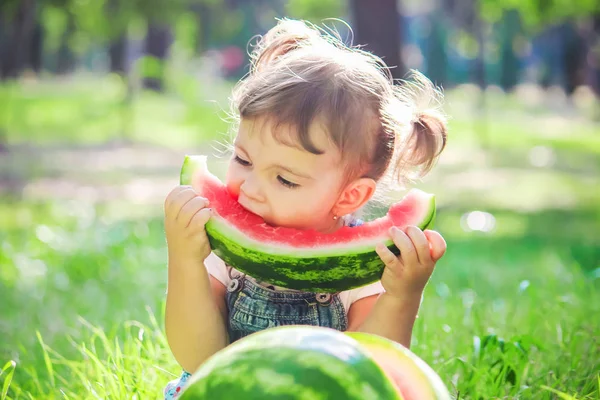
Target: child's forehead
(267, 133)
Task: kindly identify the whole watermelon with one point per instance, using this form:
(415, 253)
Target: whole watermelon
(312, 363)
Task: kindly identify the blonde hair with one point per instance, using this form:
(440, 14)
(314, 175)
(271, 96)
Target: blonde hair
(301, 75)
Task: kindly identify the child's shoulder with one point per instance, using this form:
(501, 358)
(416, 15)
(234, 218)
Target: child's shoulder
(349, 297)
(217, 268)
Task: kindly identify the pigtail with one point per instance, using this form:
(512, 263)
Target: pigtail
(288, 35)
(419, 143)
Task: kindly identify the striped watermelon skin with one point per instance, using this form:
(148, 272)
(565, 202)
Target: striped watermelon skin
(321, 268)
(291, 363)
(413, 377)
(328, 274)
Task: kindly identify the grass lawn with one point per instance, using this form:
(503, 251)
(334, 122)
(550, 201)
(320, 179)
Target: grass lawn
(511, 312)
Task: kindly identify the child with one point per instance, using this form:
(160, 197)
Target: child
(321, 127)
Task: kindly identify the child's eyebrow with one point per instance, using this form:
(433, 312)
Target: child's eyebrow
(238, 145)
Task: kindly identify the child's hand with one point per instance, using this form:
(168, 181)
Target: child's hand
(407, 274)
(185, 217)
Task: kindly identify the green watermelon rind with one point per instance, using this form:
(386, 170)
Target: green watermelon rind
(292, 362)
(436, 385)
(328, 269)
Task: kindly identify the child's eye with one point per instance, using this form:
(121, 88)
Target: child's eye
(287, 183)
(242, 161)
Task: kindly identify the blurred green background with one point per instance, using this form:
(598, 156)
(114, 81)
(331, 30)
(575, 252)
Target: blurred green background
(100, 100)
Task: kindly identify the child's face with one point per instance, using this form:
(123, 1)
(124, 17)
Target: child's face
(285, 184)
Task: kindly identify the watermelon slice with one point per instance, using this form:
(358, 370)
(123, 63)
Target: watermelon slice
(304, 260)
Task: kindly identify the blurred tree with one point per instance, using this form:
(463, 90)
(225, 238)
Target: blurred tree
(509, 32)
(156, 45)
(377, 27)
(315, 10)
(17, 27)
(65, 57)
(437, 57)
(575, 55)
(538, 15)
(203, 13)
(34, 59)
(118, 14)
(117, 52)
(593, 42)
(472, 29)
(159, 16)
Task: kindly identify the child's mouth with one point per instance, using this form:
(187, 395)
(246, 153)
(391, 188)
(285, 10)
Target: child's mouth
(244, 203)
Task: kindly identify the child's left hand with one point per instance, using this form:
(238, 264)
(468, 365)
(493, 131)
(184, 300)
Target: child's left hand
(407, 274)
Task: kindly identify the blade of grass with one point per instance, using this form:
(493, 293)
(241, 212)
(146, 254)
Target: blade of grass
(47, 361)
(10, 366)
(562, 395)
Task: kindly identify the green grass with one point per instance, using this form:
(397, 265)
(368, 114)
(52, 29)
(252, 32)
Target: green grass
(93, 110)
(510, 313)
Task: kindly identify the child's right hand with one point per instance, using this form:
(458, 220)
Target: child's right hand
(185, 217)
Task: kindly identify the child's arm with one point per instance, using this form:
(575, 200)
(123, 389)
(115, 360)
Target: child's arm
(393, 313)
(385, 316)
(194, 320)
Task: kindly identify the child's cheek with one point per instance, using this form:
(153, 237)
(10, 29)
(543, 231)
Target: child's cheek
(233, 182)
(233, 188)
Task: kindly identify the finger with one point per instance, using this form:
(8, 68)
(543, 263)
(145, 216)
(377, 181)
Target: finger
(177, 196)
(200, 218)
(182, 202)
(190, 209)
(389, 259)
(420, 243)
(437, 244)
(408, 253)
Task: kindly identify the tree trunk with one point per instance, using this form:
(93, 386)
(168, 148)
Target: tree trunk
(158, 41)
(117, 54)
(65, 59)
(437, 57)
(18, 30)
(479, 66)
(509, 74)
(377, 27)
(593, 57)
(202, 12)
(36, 49)
(574, 60)
(479, 77)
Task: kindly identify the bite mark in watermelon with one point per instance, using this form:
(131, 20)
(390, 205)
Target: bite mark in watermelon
(304, 260)
(308, 362)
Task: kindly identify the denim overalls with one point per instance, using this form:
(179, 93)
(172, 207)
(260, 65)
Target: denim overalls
(254, 307)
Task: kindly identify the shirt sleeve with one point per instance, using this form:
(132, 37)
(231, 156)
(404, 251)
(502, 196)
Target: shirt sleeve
(364, 291)
(217, 268)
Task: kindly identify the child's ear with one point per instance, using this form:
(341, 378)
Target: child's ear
(354, 196)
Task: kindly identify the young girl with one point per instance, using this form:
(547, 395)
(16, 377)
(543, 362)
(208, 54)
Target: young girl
(321, 127)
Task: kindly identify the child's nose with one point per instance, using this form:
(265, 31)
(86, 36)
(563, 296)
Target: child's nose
(251, 188)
